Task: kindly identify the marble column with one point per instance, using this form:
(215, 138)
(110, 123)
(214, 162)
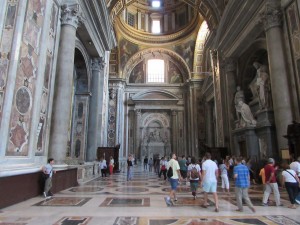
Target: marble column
(137, 148)
(94, 110)
(174, 131)
(230, 79)
(64, 84)
(209, 124)
(272, 19)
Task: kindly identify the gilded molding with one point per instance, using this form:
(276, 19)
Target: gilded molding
(138, 37)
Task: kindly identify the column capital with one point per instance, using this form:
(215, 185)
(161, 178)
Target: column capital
(272, 16)
(97, 64)
(70, 15)
(173, 112)
(138, 112)
(230, 64)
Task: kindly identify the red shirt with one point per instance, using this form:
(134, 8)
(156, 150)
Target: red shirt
(269, 169)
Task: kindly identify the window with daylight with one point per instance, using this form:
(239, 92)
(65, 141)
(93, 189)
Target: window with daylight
(155, 4)
(156, 71)
(131, 19)
(156, 26)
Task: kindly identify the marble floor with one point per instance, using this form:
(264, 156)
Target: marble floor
(115, 201)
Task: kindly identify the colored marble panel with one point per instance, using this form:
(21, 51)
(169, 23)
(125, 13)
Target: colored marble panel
(86, 189)
(23, 100)
(64, 201)
(126, 220)
(131, 189)
(250, 221)
(73, 220)
(126, 202)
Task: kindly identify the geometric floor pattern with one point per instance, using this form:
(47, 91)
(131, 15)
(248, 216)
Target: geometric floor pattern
(115, 201)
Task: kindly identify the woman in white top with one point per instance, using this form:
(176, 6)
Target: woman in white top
(194, 174)
(223, 169)
(291, 182)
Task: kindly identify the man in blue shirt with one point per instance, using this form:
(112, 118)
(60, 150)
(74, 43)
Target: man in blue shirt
(242, 183)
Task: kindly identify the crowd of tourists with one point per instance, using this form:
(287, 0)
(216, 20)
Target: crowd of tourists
(206, 172)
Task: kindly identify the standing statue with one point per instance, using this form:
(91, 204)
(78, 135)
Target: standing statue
(263, 86)
(239, 96)
(247, 117)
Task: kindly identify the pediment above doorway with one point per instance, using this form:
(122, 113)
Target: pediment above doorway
(155, 97)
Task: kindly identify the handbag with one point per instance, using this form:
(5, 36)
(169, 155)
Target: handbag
(294, 177)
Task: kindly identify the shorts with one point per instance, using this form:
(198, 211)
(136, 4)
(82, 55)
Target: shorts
(210, 187)
(183, 173)
(174, 184)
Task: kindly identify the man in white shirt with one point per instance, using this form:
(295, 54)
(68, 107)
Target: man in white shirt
(296, 167)
(174, 179)
(210, 174)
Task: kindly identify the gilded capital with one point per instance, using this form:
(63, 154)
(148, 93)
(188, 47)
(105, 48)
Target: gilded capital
(70, 15)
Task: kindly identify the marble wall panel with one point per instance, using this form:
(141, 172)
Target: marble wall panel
(25, 86)
(5, 47)
(42, 132)
(79, 128)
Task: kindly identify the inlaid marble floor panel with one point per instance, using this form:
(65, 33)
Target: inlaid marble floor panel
(115, 201)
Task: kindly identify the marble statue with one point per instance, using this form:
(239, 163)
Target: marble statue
(263, 86)
(239, 96)
(247, 117)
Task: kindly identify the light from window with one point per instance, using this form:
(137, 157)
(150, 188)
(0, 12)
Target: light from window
(156, 4)
(156, 26)
(156, 71)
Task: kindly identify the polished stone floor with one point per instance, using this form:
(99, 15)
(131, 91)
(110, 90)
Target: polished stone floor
(115, 201)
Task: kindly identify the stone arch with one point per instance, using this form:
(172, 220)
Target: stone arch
(156, 53)
(81, 78)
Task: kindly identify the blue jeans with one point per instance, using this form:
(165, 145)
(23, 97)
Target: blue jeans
(129, 173)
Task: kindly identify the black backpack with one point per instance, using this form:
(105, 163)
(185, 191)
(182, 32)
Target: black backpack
(170, 172)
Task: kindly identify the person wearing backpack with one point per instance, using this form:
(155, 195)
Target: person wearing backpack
(173, 163)
(194, 174)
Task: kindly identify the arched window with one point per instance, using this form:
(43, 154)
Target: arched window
(155, 71)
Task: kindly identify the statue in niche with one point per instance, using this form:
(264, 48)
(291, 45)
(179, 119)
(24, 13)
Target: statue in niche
(247, 118)
(263, 87)
(239, 96)
(157, 135)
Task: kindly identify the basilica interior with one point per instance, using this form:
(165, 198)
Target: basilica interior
(85, 79)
